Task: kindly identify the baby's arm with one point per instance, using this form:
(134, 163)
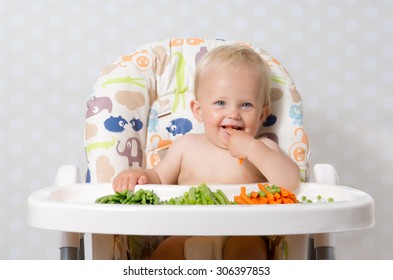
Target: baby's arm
(127, 179)
(266, 155)
(166, 172)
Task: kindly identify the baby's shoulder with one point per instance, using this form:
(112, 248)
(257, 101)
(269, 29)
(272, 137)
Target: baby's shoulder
(188, 139)
(269, 142)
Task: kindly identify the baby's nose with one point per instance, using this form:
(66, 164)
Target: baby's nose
(233, 114)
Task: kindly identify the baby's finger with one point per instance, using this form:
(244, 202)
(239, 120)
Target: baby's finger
(229, 130)
(142, 180)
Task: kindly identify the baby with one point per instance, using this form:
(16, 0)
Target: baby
(232, 99)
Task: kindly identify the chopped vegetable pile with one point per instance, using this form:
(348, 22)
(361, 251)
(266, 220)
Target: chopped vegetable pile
(203, 195)
(129, 197)
(267, 194)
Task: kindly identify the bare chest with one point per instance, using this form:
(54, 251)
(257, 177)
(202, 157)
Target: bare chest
(216, 167)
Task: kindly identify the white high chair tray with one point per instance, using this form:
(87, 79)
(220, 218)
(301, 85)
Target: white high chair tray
(71, 208)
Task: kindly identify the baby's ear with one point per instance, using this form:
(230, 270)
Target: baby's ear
(196, 110)
(265, 113)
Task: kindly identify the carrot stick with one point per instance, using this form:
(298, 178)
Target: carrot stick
(244, 195)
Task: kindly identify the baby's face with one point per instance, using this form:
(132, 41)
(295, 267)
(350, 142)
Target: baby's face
(230, 97)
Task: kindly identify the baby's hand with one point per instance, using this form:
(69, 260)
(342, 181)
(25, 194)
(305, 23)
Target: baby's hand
(238, 143)
(128, 179)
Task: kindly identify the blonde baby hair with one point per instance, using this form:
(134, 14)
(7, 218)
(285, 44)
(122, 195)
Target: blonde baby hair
(234, 55)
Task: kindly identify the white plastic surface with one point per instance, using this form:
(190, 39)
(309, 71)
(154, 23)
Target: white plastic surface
(72, 208)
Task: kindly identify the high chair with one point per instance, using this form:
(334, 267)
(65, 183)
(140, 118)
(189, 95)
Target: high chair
(139, 106)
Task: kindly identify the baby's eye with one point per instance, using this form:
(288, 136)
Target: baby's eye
(219, 103)
(247, 105)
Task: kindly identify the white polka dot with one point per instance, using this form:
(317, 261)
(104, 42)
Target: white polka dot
(370, 63)
(333, 37)
(36, 7)
(74, 58)
(349, 153)
(56, 20)
(74, 84)
(74, 110)
(371, 38)
(241, 23)
(16, 149)
(37, 58)
(17, 20)
(36, 109)
(17, 46)
(297, 11)
(387, 76)
(369, 115)
(15, 225)
(296, 37)
(351, 76)
(332, 89)
(203, 23)
(54, 123)
(55, 71)
(332, 114)
(74, 8)
(37, 32)
(369, 165)
(54, 149)
(15, 200)
(17, 124)
(387, 103)
(259, 10)
(128, 22)
(223, 10)
(333, 12)
(296, 62)
(259, 36)
(167, 22)
(278, 24)
(333, 63)
(112, 34)
(185, 9)
(351, 25)
(314, 24)
(369, 140)
(55, 46)
(14, 253)
(312, 102)
(370, 89)
(74, 33)
(34, 237)
(350, 128)
(36, 160)
(386, 153)
(148, 9)
(388, 25)
(387, 51)
(313, 76)
(370, 12)
(149, 34)
(37, 84)
(93, 47)
(111, 8)
(351, 50)
(36, 135)
(350, 102)
(314, 50)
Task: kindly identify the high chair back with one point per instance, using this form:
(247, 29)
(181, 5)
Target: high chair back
(140, 105)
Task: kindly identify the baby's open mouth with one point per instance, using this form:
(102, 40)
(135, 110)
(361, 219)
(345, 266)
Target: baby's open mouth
(232, 126)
